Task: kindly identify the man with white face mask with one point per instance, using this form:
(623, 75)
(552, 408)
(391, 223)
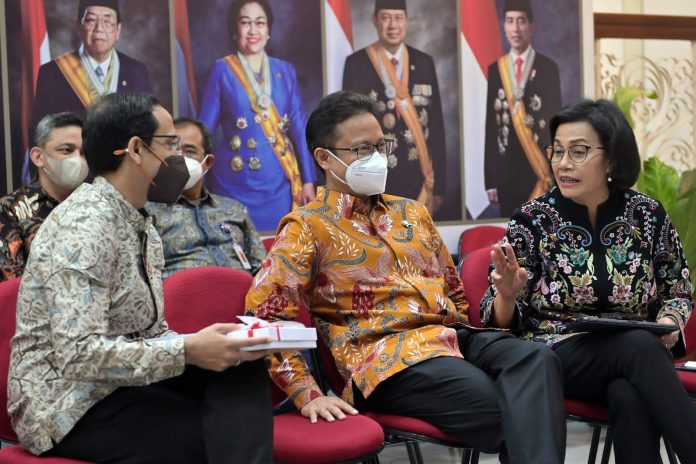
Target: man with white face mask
(201, 228)
(383, 292)
(60, 169)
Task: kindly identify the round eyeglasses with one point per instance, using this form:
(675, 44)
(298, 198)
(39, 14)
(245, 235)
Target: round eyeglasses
(576, 153)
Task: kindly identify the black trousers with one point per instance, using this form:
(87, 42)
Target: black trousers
(506, 391)
(633, 374)
(200, 416)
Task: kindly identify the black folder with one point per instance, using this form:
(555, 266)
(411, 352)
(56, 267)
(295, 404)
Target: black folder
(600, 324)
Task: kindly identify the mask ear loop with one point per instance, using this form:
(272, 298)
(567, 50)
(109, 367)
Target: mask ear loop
(124, 151)
(340, 161)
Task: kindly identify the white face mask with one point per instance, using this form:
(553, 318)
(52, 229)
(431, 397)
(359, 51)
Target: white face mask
(67, 172)
(367, 176)
(195, 170)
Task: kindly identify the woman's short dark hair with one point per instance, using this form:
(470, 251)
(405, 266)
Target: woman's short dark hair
(236, 8)
(332, 111)
(111, 123)
(615, 135)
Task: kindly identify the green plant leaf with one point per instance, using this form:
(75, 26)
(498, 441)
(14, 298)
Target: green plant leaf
(624, 98)
(687, 181)
(659, 181)
(683, 216)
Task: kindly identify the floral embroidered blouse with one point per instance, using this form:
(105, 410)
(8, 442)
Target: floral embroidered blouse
(378, 282)
(631, 266)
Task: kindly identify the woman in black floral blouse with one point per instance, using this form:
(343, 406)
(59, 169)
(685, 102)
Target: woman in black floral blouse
(592, 246)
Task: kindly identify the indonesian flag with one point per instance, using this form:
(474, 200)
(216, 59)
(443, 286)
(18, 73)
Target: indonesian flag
(186, 90)
(339, 41)
(481, 46)
(36, 53)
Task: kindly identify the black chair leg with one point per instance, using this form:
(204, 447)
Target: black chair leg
(466, 456)
(594, 444)
(607, 447)
(670, 452)
(474, 456)
(413, 452)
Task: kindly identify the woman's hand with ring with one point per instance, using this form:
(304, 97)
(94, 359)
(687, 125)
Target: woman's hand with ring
(670, 339)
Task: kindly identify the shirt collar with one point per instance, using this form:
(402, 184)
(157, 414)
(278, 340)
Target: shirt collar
(93, 63)
(206, 197)
(139, 219)
(346, 203)
(399, 53)
(35, 188)
(524, 55)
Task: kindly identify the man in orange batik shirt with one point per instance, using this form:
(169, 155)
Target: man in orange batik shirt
(385, 297)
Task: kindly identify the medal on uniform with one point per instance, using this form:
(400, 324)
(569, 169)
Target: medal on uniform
(242, 123)
(391, 104)
(373, 94)
(272, 139)
(408, 135)
(390, 91)
(381, 107)
(236, 163)
(235, 143)
(412, 154)
(263, 94)
(257, 119)
(264, 101)
(392, 161)
(518, 93)
(282, 150)
(254, 163)
(251, 143)
(389, 121)
(403, 104)
(265, 116)
(423, 117)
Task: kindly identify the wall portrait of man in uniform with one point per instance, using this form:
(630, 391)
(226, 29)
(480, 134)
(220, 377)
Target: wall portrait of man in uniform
(406, 59)
(257, 66)
(70, 53)
(537, 71)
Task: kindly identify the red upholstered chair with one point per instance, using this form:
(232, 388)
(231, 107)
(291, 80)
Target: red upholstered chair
(268, 243)
(196, 298)
(688, 378)
(478, 237)
(14, 454)
(397, 428)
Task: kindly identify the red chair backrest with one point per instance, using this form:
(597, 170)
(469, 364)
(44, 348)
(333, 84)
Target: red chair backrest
(268, 243)
(198, 297)
(474, 275)
(479, 237)
(690, 333)
(8, 313)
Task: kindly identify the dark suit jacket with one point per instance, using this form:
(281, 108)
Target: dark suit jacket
(54, 94)
(406, 178)
(509, 170)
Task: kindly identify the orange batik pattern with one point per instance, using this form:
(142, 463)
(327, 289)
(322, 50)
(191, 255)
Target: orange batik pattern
(377, 280)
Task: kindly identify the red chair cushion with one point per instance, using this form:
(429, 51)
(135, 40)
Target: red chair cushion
(474, 275)
(342, 440)
(411, 425)
(688, 379)
(8, 311)
(18, 455)
(586, 410)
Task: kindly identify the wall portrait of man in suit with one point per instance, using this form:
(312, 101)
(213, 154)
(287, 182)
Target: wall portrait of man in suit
(406, 60)
(91, 48)
(526, 87)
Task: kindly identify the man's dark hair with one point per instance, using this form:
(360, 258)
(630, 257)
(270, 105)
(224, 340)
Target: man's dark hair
(113, 4)
(111, 123)
(236, 8)
(615, 135)
(205, 132)
(519, 5)
(48, 123)
(333, 109)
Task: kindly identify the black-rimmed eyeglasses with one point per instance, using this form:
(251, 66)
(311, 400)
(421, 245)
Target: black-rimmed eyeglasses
(364, 151)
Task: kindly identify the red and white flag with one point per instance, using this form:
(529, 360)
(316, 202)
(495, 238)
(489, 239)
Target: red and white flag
(338, 40)
(36, 53)
(481, 45)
